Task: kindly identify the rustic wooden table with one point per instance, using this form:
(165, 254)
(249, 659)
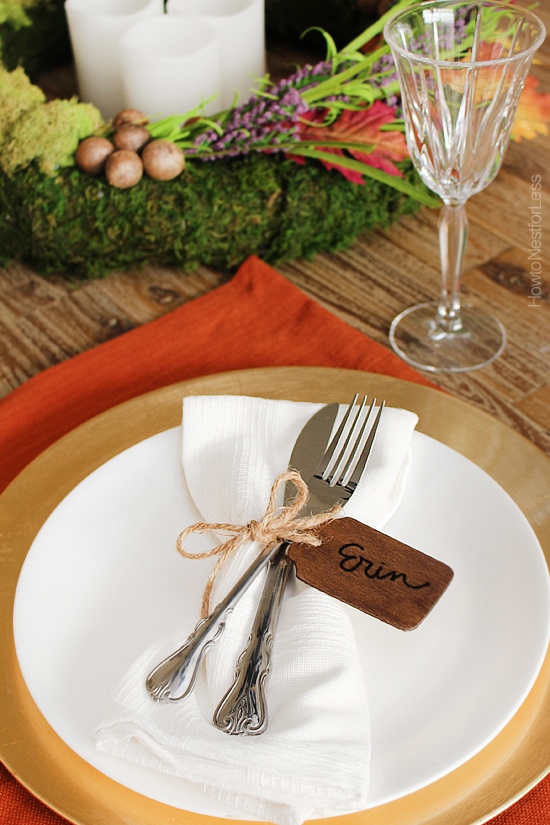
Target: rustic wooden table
(43, 322)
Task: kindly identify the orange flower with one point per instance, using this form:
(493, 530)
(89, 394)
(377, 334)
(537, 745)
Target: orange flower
(533, 113)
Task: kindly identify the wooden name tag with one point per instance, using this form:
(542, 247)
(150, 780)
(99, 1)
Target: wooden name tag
(372, 572)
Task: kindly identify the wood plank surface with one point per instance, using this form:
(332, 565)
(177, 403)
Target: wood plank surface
(44, 322)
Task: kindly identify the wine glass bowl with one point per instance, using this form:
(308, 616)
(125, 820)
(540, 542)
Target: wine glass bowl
(461, 66)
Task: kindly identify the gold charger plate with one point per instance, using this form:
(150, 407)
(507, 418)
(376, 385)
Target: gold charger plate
(516, 760)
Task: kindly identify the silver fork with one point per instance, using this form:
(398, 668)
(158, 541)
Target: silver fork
(243, 709)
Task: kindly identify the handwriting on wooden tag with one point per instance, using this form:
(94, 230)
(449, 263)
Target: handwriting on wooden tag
(372, 572)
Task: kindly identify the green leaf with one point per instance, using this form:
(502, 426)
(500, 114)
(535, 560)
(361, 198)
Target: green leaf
(176, 124)
(402, 185)
(332, 51)
(338, 144)
(394, 126)
(337, 83)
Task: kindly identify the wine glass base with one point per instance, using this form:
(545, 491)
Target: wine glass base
(417, 339)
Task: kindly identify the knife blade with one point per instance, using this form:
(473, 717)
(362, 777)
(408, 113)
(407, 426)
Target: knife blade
(174, 677)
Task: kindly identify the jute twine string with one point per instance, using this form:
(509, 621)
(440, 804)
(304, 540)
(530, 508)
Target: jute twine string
(278, 524)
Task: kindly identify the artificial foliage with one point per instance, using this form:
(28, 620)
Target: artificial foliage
(217, 213)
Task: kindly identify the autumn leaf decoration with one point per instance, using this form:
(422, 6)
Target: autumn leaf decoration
(533, 113)
(358, 133)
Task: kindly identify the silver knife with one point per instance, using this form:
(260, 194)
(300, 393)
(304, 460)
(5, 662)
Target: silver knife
(175, 676)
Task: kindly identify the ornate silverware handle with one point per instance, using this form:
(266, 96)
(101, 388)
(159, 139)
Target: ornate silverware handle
(243, 709)
(174, 677)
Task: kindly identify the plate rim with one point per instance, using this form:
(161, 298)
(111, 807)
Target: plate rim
(496, 777)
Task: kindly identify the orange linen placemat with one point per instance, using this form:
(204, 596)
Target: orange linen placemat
(257, 319)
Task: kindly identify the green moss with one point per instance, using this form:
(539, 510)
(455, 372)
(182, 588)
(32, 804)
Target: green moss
(13, 12)
(271, 207)
(17, 96)
(33, 34)
(32, 129)
(49, 133)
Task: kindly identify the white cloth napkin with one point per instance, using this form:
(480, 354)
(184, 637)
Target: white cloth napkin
(313, 761)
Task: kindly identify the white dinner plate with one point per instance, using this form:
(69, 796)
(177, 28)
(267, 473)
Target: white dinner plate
(102, 581)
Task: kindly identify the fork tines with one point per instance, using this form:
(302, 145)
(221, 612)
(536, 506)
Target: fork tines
(352, 443)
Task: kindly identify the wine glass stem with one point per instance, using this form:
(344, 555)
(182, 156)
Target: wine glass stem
(453, 235)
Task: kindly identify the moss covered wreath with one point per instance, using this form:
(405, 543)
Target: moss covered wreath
(305, 166)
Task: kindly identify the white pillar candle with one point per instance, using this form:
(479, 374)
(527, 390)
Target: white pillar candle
(170, 65)
(95, 28)
(240, 25)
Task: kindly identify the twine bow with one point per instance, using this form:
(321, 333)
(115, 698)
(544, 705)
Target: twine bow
(278, 524)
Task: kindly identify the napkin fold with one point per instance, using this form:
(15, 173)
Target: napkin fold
(313, 761)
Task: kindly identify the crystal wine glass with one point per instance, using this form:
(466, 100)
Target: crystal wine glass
(461, 67)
